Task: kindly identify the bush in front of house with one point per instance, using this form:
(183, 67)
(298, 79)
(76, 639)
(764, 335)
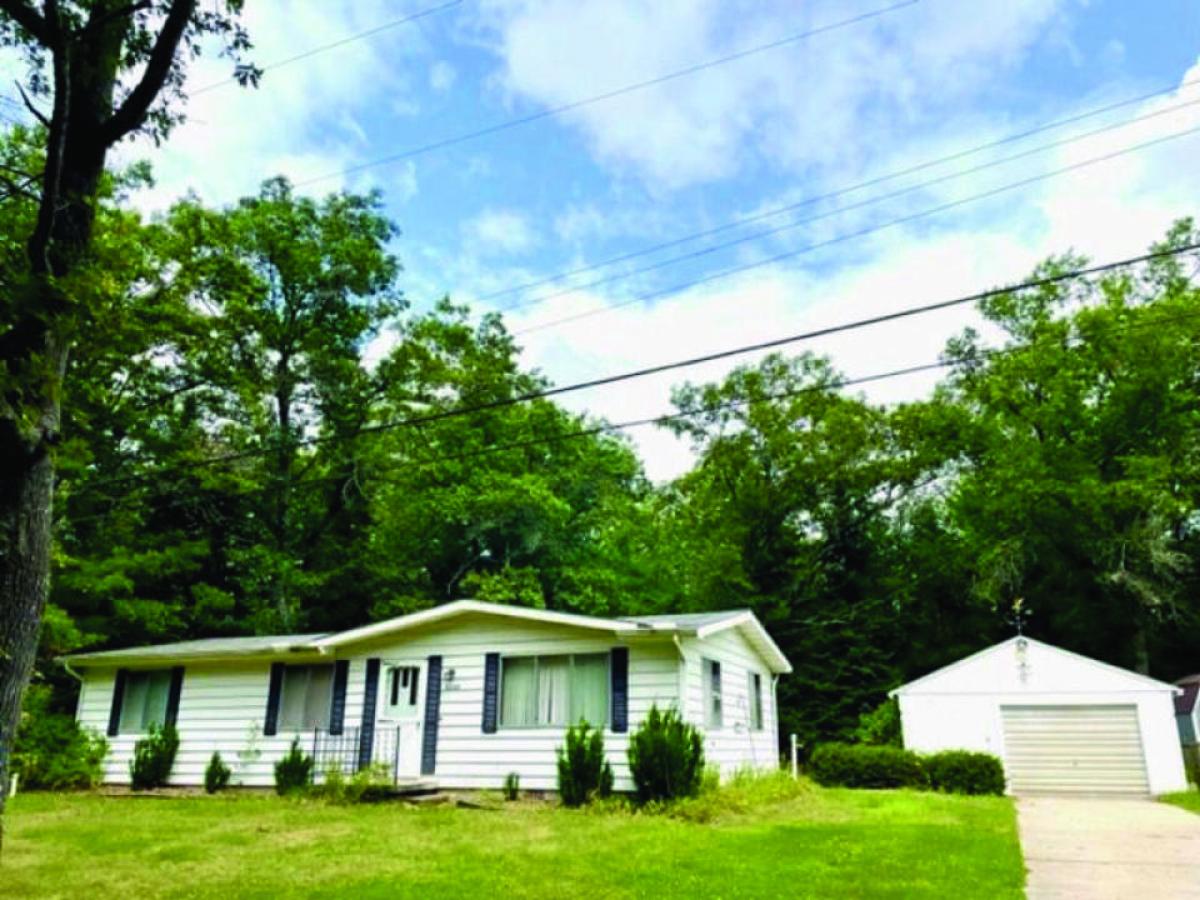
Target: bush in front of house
(293, 771)
(583, 771)
(666, 757)
(964, 772)
(880, 726)
(216, 776)
(52, 751)
(153, 757)
(512, 786)
(867, 766)
(368, 785)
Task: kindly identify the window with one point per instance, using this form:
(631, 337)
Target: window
(403, 690)
(306, 699)
(554, 690)
(756, 716)
(145, 700)
(714, 712)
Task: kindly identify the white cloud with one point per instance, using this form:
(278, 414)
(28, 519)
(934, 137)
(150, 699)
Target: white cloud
(825, 101)
(442, 76)
(500, 231)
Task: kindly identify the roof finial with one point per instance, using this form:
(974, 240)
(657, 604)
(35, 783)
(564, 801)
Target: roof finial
(1019, 614)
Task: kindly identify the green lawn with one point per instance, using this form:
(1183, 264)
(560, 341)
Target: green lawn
(822, 843)
(1189, 800)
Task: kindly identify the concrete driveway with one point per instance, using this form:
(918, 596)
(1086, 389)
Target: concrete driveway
(1100, 848)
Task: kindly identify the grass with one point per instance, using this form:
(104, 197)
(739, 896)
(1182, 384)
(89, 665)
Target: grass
(1189, 800)
(751, 840)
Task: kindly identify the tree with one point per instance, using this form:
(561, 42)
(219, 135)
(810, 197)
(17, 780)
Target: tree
(109, 69)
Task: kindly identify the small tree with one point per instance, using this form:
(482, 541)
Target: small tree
(294, 772)
(881, 726)
(153, 757)
(666, 757)
(583, 772)
(216, 776)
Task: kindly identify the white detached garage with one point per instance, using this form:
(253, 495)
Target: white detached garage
(1062, 723)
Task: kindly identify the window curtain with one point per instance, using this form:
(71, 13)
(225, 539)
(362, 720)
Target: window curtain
(553, 680)
(319, 698)
(589, 689)
(145, 701)
(517, 691)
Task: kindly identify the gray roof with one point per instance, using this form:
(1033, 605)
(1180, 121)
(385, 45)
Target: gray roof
(217, 647)
(688, 620)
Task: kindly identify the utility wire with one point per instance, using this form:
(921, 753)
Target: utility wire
(860, 204)
(944, 362)
(607, 95)
(460, 411)
(862, 232)
(808, 201)
(307, 54)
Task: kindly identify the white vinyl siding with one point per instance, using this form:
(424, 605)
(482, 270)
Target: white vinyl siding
(1074, 749)
(737, 744)
(145, 700)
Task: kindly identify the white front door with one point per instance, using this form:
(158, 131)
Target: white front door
(402, 712)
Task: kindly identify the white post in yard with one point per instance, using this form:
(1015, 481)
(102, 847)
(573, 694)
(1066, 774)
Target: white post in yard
(795, 758)
(16, 777)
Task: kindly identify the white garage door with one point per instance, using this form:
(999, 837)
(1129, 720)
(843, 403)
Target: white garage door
(1074, 749)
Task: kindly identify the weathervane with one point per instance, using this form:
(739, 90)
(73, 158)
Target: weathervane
(1019, 614)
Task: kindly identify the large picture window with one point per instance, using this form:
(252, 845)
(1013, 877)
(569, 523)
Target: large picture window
(145, 700)
(540, 691)
(306, 699)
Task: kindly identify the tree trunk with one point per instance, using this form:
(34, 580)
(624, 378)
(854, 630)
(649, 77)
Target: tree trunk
(25, 513)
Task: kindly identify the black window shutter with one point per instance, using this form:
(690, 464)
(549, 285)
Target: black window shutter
(491, 686)
(118, 697)
(337, 709)
(173, 693)
(271, 724)
(433, 703)
(619, 666)
(366, 742)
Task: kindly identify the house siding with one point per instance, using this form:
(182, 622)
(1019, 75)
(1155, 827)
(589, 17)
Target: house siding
(735, 746)
(223, 704)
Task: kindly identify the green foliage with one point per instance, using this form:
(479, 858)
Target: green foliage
(216, 775)
(865, 766)
(964, 772)
(369, 785)
(512, 786)
(293, 771)
(153, 757)
(52, 751)
(583, 771)
(745, 793)
(666, 757)
(881, 726)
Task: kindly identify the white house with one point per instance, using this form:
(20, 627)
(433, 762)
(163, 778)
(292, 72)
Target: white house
(458, 695)
(1061, 722)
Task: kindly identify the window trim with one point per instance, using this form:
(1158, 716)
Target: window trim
(130, 674)
(708, 667)
(501, 726)
(286, 728)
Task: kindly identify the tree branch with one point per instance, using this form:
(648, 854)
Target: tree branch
(132, 113)
(37, 113)
(95, 23)
(27, 17)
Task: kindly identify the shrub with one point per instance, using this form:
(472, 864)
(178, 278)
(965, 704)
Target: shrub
(583, 772)
(666, 757)
(153, 757)
(512, 786)
(746, 793)
(866, 766)
(54, 752)
(294, 771)
(368, 785)
(964, 772)
(881, 726)
(216, 776)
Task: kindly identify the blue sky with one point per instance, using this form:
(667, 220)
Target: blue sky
(815, 116)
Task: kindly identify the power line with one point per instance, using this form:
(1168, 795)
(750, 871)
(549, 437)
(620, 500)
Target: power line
(610, 428)
(902, 220)
(860, 204)
(457, 412)
(808, 201)
(307, 54)
(607, 95)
